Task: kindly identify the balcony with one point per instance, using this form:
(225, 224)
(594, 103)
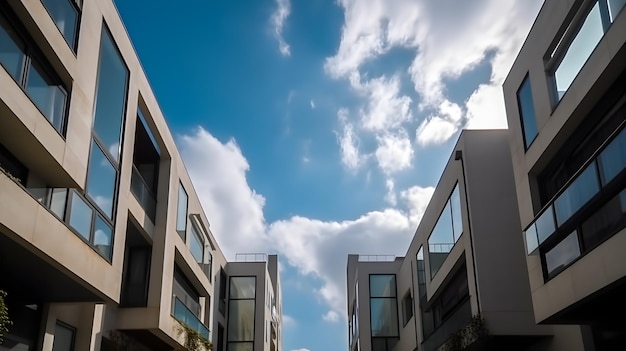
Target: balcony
(184, 315)
(250, 257)
(140, 189)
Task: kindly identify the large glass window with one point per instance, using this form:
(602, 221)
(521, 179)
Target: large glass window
(241, 308)
(101, 180)
(527, 112)
(29, 71)
(577, 194)
(579, 42)
(181, 212)
(446, 232)
(613, 158)
(64, 13)
(80, 216)
(96, 231)
(562, 254)
(383, 311)
(110, 96)
(196, 245)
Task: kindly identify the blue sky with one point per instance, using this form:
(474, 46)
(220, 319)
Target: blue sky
(318, 128)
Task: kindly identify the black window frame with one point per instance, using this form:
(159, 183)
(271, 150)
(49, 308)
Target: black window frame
(230, 298)
(78, 11)
(523, 117)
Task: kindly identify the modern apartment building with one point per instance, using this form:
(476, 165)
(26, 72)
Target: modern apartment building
(463, 283)
(103, 241)
(566, 105)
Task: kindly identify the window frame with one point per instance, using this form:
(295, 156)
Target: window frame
(182, 232)
(520, 111)
(67, 327)
(78, 12)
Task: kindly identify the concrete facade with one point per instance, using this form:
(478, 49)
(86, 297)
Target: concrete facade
(63, 272)
(471, 289)
(573, 220)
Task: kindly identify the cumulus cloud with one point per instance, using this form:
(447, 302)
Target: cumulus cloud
(394, 152)
(348, 141)
(331, 317)
(314, 248)
(445, 44)
(283, 10)
(391, 197)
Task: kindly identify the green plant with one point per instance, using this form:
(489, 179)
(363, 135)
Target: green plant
(5, 322)
(474, 331)
(193, 340)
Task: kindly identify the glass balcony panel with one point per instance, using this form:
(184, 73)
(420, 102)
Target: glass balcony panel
(562, 254)
(545, 225)
(58, 202)
(579, 192)
(142, 193)
(579, 51)
(613, 158)
(80, 216)
(48, 96)
(184, 315)
(608, 220)
(101, 180)
(102, 238)
(532, 242)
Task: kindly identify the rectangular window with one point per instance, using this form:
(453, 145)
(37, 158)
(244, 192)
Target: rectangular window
(63, 337)
(383, 311)
(579, 41)
(562, 254)
(579, 192)
(241, 313)
(526, 109)
(613, 158)
(407, 308)
(101, 180)
(196, 245)
(81, 216)
(65, 15)
(181, 212)
(34, 75)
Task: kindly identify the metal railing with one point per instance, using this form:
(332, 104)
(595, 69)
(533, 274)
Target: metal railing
(184, 315)
(377, 258)
(143, 194)
(440, 247)
(251, 257)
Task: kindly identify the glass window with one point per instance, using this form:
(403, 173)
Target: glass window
(242, 287)
(382, 285)
(63, 338)
(421, 273)
(384, 314)
(531, 239)
(181, 211)
(240, 346)
(196, 245)
(101, 180)
(102, 237)
(48, 96)
(110, 96)
(241, 321)
(608, 220)
(457, 217)
(613, 158)
(80, 216)
(527, 112)
(615, 6)
(579, 50)
(577, 194)
(562, 254)
(65, 16)
(11, 55)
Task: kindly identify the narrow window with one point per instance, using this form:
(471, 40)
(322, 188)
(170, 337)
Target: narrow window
(181, 212)
(241, 307)
(527, 112)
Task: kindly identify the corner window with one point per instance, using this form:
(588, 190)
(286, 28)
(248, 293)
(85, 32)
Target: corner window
(579, 41)
(65, 15)
(181, 212)
(527, 112)
(23, 62)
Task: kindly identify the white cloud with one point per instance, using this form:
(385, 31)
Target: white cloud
(278, 22)
(394, 152)
(385, 109)
(289, 321)
(315, 248)
(391, 197)
(302, 349)
(445, 44)
(348, 142)
(438, 128)
(331, 317)
(312, 102)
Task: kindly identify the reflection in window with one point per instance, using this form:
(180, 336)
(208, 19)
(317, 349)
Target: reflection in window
(181, 211)
(80, 216)
(241, 308)
(383, 311)
(446, 232)
(584, 42)
(613, 158)
(11, 55)
(65, 15)
(110, 96)
(101, 180)
(527, 112)
(562, 254)
(577, 194)
(606, 221)
(102, 237)
(545, 225)
(47, 95)
(196, 245)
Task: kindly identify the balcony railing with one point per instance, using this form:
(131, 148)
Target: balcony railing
(377, 258)
(185, 316)
(250, 257)
(143, 194)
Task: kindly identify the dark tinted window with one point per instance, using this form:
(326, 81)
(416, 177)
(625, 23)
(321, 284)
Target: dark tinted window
(527, 112)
